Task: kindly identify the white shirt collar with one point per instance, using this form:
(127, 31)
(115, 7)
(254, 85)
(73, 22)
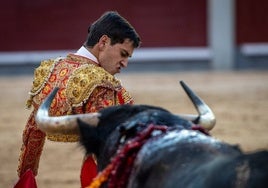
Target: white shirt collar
(85, 53)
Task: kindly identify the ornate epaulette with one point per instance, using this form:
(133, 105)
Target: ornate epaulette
(41, 76)
(85, 79)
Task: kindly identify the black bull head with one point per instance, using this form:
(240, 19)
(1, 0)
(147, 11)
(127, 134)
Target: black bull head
(147, 146)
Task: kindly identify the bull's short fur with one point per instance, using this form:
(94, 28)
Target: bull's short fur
(180, 158)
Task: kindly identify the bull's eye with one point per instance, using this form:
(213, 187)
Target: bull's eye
(121, 129)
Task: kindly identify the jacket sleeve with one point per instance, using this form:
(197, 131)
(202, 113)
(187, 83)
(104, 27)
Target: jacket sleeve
(33, 141)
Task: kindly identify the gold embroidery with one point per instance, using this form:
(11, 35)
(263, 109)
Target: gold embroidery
(125, 96)
(63, 138)
(85, 79)
(41, 76)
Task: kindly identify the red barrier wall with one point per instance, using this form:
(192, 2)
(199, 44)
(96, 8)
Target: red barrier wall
(251, 21)
(62, 24)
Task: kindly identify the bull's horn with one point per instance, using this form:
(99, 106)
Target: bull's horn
(206, 117)
(61, 124)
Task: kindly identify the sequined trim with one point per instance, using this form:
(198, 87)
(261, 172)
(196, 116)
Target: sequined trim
(123, 97)
(63, 138)
(85, 79)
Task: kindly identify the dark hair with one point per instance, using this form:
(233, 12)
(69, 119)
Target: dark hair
(114, 26)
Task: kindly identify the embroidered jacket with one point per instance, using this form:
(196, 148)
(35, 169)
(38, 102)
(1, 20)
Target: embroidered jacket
(84, 87)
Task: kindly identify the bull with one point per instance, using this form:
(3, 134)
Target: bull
(148, 146)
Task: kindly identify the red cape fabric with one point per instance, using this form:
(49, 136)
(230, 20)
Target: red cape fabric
(88, 172)
(27, 180)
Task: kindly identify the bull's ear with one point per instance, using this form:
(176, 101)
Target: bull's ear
(89, 137)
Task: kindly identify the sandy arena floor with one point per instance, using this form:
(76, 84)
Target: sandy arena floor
(238, 99)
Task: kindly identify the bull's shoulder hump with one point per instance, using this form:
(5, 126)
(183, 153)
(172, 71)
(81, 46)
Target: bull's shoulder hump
(85, 79)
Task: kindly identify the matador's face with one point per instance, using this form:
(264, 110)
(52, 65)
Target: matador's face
(114, 57)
